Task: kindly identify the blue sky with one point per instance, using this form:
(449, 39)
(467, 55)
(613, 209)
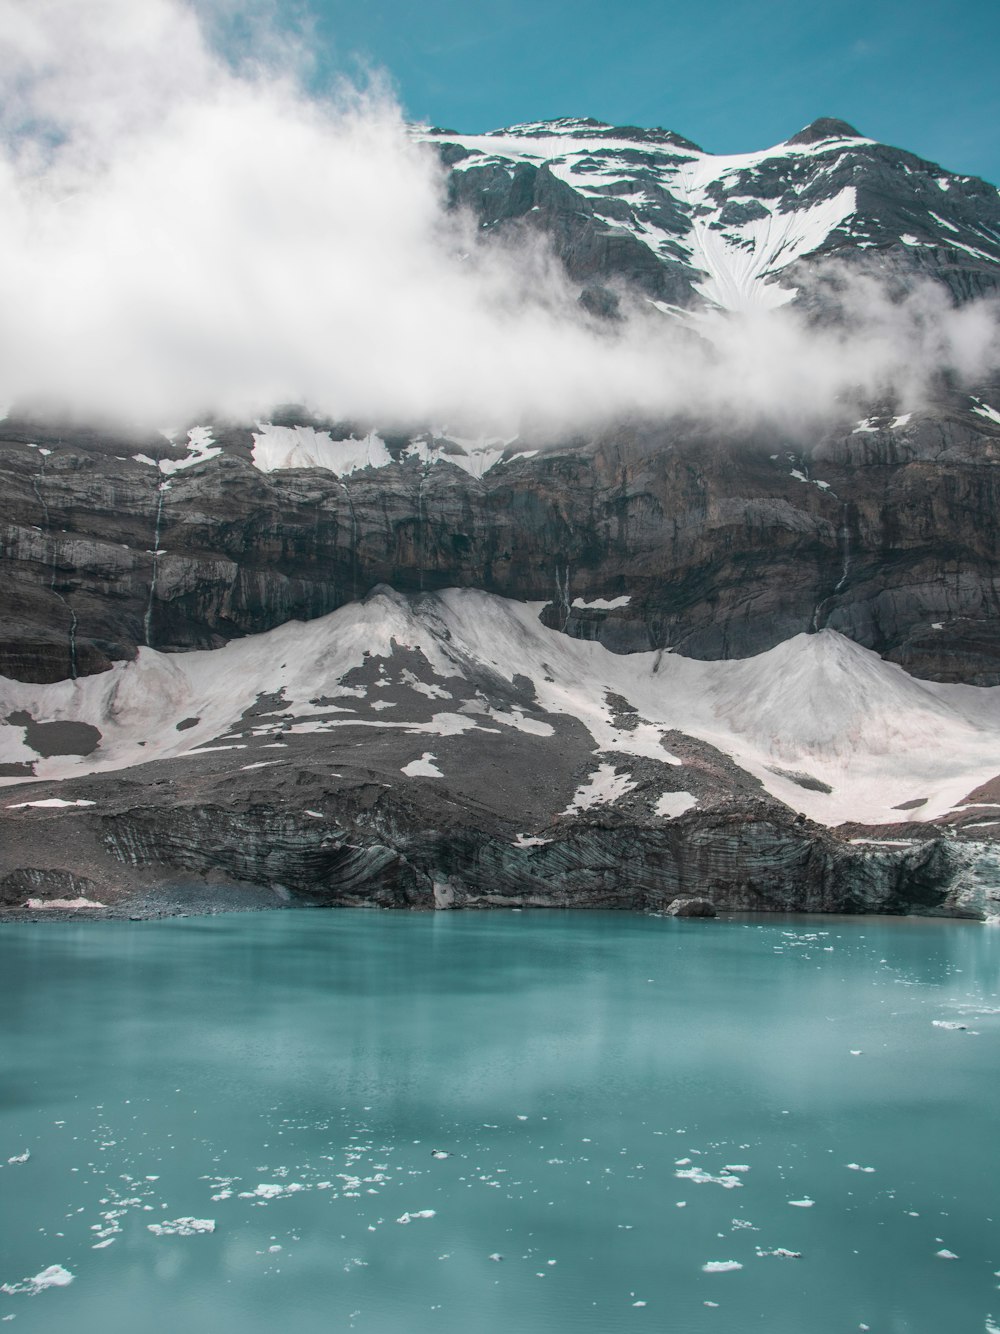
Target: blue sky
(730, 74)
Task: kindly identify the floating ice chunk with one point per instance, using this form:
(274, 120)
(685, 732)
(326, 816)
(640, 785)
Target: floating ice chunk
(720, 1266)
(856, 1167)
(802, 1204)
(725, 1179)
(737, 1167)
(417, 1213)
(782, 1252)
(439, 1153)
(952, 1025)
(181, 1227)
(53, 1277)
(946, 1255)
(20, 1157)
(496, 1256)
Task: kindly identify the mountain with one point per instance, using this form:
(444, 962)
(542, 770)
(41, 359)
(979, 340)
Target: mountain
(664, 656)
(682, 226)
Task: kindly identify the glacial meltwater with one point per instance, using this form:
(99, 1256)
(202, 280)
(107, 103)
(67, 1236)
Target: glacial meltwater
(500, 1123)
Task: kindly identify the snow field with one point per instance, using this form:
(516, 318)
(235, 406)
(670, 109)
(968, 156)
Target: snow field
(817, 704)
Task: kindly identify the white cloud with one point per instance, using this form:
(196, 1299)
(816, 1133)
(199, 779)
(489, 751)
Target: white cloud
(180, 236)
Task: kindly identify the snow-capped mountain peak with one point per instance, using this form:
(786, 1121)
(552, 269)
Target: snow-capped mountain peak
(650, 210)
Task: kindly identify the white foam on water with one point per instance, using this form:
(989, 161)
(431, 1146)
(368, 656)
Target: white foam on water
(727, 1180)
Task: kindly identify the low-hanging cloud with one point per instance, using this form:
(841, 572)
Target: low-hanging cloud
(181, 236)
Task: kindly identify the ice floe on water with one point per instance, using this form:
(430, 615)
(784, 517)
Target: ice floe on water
(416, 1213)
(728, 1180)
(721, 1266)
(181, 1227)
(272, 1190)
(55, 1276)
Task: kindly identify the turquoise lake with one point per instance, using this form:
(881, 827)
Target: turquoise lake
(615, 1102)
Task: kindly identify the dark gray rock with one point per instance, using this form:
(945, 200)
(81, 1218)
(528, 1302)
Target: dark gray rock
(690, 908)
(44, 883)
(725, 545)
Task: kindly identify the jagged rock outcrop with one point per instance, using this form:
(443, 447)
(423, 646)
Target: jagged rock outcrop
(385, 849)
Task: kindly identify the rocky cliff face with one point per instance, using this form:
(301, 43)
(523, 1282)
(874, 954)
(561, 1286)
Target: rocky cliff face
(885, 529)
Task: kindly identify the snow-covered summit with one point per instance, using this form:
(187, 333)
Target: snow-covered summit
(651, 210)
